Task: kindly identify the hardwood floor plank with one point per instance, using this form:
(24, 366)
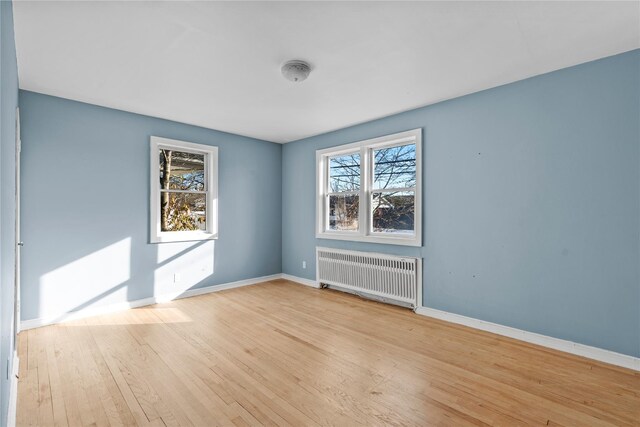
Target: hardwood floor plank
(124, 413)
(281, 354)
(45, 407)
(69, 385)
(128, 396)
(59, 412)
(32, 361)
(134, 365)
(88, 399)
(28, 399)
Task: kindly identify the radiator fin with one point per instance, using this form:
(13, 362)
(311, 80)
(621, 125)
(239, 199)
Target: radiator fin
(384, 276)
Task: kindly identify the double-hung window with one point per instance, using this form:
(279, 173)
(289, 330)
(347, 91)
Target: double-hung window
(371, 190)
(184, 191)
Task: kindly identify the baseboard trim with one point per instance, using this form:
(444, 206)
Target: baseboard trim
(300, 280)
(13, 392)
(583, 350)
(112, 308)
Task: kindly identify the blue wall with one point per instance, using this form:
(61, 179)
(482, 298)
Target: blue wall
(531, 203)
(85, 209)
(8, 104)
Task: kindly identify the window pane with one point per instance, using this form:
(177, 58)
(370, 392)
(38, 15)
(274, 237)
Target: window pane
(393, 212)
(394, 167)
(182, 211)
(344, 173)
(343, 213)
(181, 171)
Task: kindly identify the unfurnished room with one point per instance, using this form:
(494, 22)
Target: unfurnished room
(319, 213)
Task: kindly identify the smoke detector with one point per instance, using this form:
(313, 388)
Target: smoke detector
(295, 70)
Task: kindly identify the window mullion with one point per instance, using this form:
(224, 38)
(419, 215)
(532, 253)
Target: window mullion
(372, 165)
(364, 189)
(326, 190)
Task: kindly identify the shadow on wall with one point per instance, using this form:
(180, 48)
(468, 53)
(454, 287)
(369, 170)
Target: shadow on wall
(106, 278)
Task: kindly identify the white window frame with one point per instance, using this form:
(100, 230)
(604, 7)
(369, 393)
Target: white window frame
(366, 148)
(211, 180)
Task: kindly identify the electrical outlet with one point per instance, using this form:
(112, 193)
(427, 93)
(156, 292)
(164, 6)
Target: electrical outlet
(304, 264)
(176, 277)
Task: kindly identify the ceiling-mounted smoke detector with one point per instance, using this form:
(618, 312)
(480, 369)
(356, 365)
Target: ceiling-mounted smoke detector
(295, 70)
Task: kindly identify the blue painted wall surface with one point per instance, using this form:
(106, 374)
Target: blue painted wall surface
(85, 209)
(8, 104)
(531, 203)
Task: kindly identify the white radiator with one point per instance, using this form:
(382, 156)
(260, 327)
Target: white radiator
(384, 277)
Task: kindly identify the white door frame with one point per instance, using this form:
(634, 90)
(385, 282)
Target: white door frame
(13, 376)
(18, 242)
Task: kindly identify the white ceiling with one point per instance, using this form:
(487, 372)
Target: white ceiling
(217, 64)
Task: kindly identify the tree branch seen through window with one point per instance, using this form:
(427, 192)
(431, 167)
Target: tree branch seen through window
(182, 191)
(393, 210)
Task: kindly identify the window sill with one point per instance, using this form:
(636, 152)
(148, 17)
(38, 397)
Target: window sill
(185, 236)
(388, 240)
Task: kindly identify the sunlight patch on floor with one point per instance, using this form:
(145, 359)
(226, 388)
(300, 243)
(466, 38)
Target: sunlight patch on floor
(138, 316)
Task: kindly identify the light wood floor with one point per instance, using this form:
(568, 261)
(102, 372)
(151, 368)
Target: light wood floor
(284, 354)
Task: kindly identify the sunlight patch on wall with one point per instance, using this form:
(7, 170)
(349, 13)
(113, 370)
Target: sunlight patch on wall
(186, 265)
(89, 279)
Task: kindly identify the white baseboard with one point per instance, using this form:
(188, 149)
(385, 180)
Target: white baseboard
(595, 353)
(112, 308)
(300, 280)
(13, 392)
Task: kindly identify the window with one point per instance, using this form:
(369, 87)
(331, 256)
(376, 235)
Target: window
(371, 190)
(344, 191)
(184, 191)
